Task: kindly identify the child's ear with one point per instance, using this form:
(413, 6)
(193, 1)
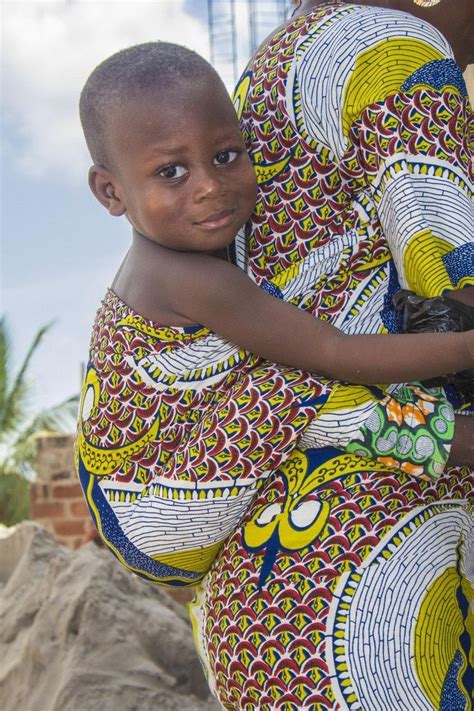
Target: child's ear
(105, 188)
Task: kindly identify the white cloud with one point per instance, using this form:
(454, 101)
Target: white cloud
(49, 49)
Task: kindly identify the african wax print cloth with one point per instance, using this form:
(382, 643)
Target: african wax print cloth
(322, 556)
(347, 586)
(178, 428)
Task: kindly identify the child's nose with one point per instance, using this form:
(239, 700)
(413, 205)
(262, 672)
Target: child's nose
(208, 185)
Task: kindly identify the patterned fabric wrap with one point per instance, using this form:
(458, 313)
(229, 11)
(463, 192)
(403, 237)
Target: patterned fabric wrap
(349, 582)
(178, 429)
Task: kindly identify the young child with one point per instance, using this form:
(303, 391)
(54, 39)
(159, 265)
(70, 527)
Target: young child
(181, 416)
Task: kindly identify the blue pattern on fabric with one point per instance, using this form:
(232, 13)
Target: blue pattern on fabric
(391, 318)
(459, 262)
(452, 698)
(141, 564)
(437, 74)
(272, 289)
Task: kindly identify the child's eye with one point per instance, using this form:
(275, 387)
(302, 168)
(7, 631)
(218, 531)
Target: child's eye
(171, 172)
(225, 157)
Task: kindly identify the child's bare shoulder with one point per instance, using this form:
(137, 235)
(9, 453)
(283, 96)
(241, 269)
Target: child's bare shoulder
(193, 277)
(143, 282)
(197, 285)
(158, 282)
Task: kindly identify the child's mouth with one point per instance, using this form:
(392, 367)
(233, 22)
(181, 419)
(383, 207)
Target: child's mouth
(217, 219)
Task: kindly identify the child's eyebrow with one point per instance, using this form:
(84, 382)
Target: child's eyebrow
(167, 149)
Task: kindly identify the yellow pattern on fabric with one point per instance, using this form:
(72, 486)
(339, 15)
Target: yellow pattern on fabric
(348, 397)
(436, 638)
(103, 462)
(240, 94)
(297, 522)
(425, 272)
(265, 173)
(98, 460)
(468, 591)
(162, 332)
(196, 560)
(91, 384)
(373, 263)
(380, 71)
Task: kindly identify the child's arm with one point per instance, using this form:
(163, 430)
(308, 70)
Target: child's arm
(220, 296)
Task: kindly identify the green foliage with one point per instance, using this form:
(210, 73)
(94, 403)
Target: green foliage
(14, 499)
(19, 432)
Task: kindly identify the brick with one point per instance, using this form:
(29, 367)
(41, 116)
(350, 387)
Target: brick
(67, 491)
(35, 492)
(47, 509)
(79, 508)
(63, 475)
(67, 527)
(39, 491)
(54, 456)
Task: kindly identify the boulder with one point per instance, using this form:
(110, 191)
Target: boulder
(79, 632)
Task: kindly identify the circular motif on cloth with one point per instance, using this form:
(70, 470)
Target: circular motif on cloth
(424, 446)
(426, 3)
(386, 444)
(402, 616)
(447, 413)
(88, 403)
(404, 444)
(374, 422)
(440, 425)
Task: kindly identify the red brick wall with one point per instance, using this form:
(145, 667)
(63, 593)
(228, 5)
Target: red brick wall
(57, 501)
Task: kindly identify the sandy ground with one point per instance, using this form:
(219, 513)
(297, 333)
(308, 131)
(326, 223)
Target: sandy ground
(80, 633)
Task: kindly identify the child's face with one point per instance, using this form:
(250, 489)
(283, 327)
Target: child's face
(182, 173)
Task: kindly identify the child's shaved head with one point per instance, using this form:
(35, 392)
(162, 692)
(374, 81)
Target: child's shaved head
(127, 74)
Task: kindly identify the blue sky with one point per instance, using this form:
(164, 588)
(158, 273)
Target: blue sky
(59, 248)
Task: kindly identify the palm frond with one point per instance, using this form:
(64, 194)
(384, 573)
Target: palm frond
(60, 418)
(14, 498)
(22, 451)
(4, 362)
(14, 399)
(18, 440)
(20, 458)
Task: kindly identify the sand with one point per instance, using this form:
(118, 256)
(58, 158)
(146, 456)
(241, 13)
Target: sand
(79, 633)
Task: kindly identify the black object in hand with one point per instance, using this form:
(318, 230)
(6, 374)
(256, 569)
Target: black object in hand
(439, 314)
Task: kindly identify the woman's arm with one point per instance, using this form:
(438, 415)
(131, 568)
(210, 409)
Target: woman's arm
(466, 296)
(221, 297)
(462, 446)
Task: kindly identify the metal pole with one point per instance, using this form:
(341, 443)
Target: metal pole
(234, 39)
(210, 25)
(253, 26)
